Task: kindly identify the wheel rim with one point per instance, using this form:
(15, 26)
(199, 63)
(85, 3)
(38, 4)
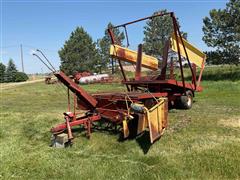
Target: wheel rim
(189, 101)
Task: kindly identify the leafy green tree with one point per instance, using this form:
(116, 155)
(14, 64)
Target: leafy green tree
(104, 57)
(222, 31)
(79, 53)
(2, 72)
(156, 32)
(214, 57)
(104, 44)
(11, 71)
(20, 77)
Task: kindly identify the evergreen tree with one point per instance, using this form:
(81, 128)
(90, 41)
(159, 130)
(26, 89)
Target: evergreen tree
(11, 71)
(104, 44)
(2, 72)
(214, 57)
(79, 53)
(156, 32)
(20, 77)
(222, 31)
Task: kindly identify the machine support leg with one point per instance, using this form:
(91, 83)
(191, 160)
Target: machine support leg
(120, 64)
(74, 110)
(88, 128)
(69, 107)
(171, 69)
(164, 64)
(194, 73)
(200, 75)
(69, 130)
(189, 63)
(139, 63)
(176, 32)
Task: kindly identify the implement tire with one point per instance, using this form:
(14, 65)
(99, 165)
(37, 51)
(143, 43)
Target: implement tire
(185, 102)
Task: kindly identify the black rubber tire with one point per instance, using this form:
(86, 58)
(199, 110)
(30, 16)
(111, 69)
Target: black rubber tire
(185, 102)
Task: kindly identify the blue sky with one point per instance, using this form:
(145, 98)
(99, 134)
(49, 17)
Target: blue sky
(47, 24)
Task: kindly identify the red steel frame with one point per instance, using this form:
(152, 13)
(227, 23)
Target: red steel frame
(182, 86)
(113, 106)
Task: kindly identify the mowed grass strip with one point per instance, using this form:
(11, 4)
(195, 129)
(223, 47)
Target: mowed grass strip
(201, 143)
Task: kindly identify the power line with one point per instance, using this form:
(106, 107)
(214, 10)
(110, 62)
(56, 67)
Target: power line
(22, 57)
(9, 46)
(28, 46)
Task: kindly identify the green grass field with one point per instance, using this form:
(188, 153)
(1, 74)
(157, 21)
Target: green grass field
(201, 143)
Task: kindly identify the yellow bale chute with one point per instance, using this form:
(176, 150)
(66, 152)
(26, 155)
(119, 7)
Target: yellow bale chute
(130, 56)
(195, 55)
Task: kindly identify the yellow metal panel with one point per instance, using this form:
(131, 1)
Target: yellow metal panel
(142, 123)
(125, 129)
(156, 118)
(130, 56)
(153, 123)
(195, 56)
(165, 113)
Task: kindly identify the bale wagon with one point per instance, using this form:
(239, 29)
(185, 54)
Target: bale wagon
(144, 105)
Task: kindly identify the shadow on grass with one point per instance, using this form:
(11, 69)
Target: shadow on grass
(144, 142)
(143, 139)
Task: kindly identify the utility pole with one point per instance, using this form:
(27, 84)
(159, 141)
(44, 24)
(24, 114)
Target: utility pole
(22, 57)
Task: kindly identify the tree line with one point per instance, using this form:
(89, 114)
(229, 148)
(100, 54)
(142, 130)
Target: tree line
(10, 73)
(81, 53)
(221, 32)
